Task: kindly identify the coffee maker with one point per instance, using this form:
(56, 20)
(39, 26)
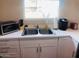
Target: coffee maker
(62, 24)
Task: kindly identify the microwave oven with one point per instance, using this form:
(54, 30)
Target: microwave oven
(8, 27)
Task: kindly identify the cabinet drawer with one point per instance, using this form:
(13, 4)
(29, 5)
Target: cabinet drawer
(13, 55)
(65, 38)
(9, 43)
(6, 52)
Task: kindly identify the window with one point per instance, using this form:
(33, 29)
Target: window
(41, 8)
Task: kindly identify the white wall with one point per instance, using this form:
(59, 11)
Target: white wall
(10, 9)
(70, 10)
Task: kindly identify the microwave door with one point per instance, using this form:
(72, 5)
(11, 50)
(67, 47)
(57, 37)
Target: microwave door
(9, 28)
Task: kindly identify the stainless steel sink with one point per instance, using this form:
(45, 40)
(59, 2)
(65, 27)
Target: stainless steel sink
(30, 31)
(34, 31)
(45, 31)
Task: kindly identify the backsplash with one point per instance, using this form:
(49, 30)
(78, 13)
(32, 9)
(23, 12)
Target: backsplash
(51, 23)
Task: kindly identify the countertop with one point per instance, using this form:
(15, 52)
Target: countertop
(18, 34)
(57, 33)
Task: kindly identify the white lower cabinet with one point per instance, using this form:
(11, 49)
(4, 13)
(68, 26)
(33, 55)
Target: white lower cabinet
(9, 48)
(54, 47)
(36, 52)
(66, 47)
(62, 47)
(43, 48)
(48, 48)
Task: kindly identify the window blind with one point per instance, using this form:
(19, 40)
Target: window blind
(41, 8)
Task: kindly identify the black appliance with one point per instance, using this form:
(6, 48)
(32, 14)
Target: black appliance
(8, 27)
(77, 52)
(63, 24)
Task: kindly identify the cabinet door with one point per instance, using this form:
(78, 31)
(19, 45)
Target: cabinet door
(48, 52)
(48, 48)
(66, 47)
(29, 48)
(30, 52)
(42, 47)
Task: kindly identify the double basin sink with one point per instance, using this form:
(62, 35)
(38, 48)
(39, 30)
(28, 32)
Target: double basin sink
(35, 31)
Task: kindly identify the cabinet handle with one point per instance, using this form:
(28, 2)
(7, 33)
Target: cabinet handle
(37, 50)
(73, 54)
(40, 49)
